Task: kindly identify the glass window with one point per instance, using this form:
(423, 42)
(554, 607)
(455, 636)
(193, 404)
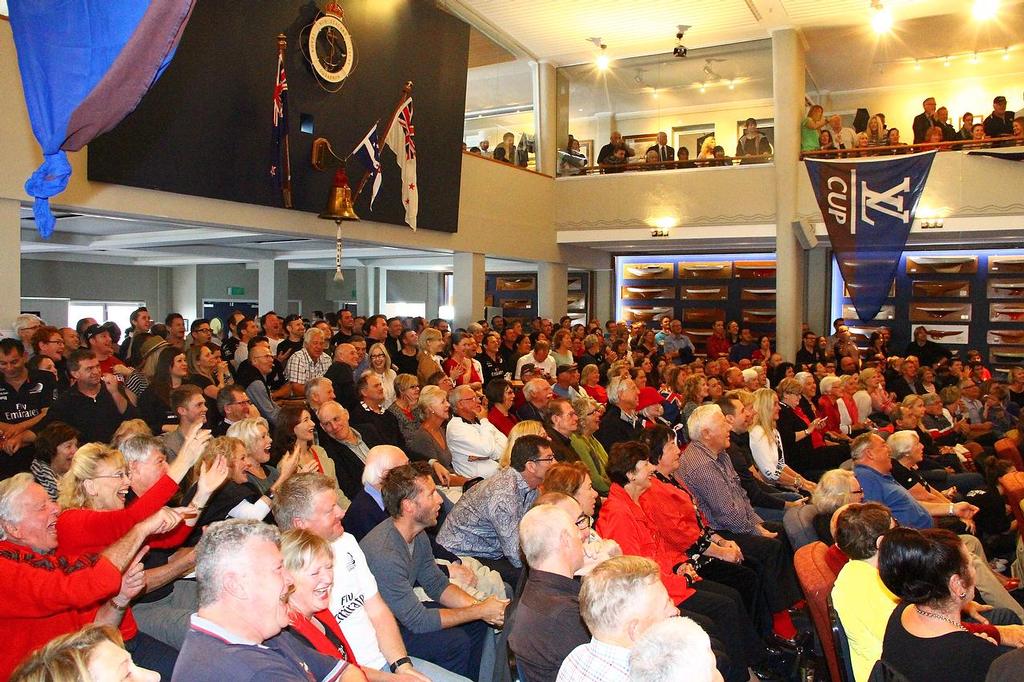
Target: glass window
(118, 312)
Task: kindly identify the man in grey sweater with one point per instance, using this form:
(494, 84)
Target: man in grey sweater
(450, 630)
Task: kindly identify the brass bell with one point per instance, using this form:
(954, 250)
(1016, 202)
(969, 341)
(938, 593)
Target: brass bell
(339, 203)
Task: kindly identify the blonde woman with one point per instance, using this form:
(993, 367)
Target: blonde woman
(707, 148)
(430, 439)
(127, 429)
(380, 364)
(92, 495)
(431, 343)
(877, 136)
(810, 130)
(588, 448)
(766, 444)
(407, 394)
(95, 653)
(529, 427)
(238, 498)
(255, 435)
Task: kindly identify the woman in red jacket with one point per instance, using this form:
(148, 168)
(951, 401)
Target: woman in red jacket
(92, 497)
(309, 563)
(622, 519)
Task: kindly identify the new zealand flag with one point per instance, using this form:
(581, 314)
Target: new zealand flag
(868, 206)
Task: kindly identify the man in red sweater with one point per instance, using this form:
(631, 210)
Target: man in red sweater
(717, 345)
(50, 594)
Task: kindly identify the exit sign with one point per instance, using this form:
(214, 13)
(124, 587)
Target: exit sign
(236, 291)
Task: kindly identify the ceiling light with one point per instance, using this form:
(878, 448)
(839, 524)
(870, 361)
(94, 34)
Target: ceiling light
(1006, 54)
(974, 58)
(881, 20)
(945, 62)
(602, 61)
(702, 87)
(732, 85)
(654, 93)
(917, 64)
(985, 9)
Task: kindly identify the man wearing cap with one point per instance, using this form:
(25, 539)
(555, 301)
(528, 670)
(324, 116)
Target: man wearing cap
(567, 381)
(1000, 122)
(99, 339)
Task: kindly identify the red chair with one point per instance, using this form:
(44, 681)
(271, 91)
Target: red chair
(1006, 448)
(1013, 488)
(817, 578)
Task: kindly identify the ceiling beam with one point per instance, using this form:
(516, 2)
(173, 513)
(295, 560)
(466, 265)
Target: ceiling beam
(168, 237)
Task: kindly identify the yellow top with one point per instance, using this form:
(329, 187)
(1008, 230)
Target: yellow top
(864, 605)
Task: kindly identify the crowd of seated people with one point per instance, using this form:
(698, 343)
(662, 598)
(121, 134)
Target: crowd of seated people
(593, 479)
(931, 128)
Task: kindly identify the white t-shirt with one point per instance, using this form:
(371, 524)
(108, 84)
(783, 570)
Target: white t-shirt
(353, 585)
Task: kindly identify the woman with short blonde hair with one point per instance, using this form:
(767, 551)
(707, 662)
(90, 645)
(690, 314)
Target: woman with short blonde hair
(95, 653)
(529, 427)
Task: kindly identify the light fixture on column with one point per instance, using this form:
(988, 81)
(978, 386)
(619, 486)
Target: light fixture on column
(881, 19)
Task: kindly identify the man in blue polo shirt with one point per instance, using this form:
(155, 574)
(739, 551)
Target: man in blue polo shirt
(239, 632)
(873, 469)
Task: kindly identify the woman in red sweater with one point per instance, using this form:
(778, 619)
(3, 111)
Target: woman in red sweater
(309, 563)
(94, 516)
(622, 519)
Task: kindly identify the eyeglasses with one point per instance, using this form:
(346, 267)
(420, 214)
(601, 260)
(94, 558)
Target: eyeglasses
(583, 521)
(57, 340)
(856, 492)
(469, 398)
(241, 402)
(376, 355)
(123, 475)
(203, 330)
(543, 459)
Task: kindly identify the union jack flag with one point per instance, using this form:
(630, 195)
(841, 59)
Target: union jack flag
(280, 162)
(401, 137)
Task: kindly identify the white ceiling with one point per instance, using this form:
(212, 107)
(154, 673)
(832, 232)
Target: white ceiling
(559, 30)
(106, 239)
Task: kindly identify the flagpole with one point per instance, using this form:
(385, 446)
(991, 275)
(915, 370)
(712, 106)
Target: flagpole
(406, 93)
(286, 165)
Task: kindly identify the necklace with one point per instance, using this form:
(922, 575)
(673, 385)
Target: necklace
(939, 616)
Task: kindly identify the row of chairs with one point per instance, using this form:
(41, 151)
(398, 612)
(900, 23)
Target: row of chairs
(817, 577)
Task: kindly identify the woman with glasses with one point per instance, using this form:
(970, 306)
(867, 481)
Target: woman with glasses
(380, 364)
(406, 388)
(92, 496)
(48, 342)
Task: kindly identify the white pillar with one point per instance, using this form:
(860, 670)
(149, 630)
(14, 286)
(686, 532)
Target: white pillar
(185, 292)
(788, 81)
(366, 294)
(552, 285)
(468, 284)
(273, 286)
(545, 112)
(433, 294)
(604, 296)
(10, 262)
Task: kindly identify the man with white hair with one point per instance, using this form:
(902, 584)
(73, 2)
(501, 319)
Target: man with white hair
(547, 625)
(619, 601)
(240, 630)
(367, 508)
(621, 422)
(475, 443)
(672, 650)
(25, 325)
(309, 362)
(319, 390)
(538, 394)
(50, 593)
(344, 445)
(307, 501)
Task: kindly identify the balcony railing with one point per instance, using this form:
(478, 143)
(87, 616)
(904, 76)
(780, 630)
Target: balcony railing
(954, 145)
(613, 168)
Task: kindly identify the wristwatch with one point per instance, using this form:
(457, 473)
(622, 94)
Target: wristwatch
(399, 663)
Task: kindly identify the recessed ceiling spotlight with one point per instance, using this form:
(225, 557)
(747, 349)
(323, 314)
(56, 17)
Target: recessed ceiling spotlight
(945, 62)
(881, 20)
(985, 9)
(917, 64)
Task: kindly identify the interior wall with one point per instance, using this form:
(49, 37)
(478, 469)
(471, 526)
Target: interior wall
(407, 287)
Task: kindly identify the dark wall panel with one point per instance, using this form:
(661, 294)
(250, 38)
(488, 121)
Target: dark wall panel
(205, 128)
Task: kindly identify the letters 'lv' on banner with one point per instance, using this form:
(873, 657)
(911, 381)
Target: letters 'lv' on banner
(868, 206)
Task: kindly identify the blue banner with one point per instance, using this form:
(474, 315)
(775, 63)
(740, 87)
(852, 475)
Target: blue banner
(85, 65)
(868, 206)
